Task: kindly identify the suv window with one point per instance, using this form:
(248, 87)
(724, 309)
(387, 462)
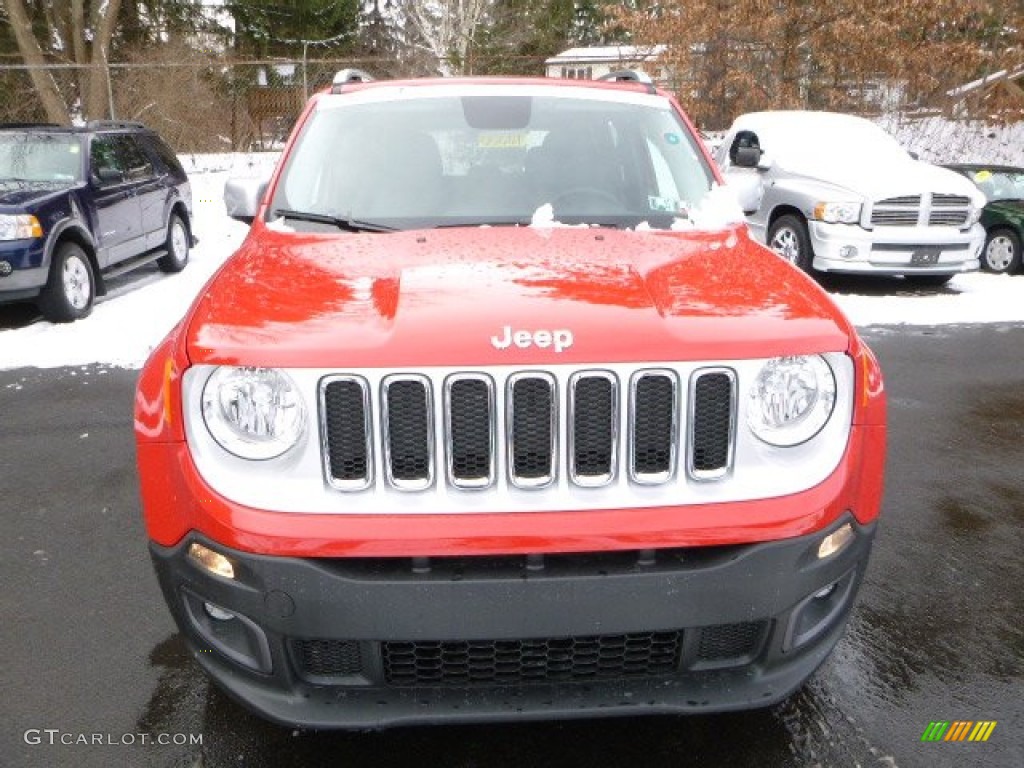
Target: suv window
(40, 157)
(163, 153)
(134, 161)
(118, 158)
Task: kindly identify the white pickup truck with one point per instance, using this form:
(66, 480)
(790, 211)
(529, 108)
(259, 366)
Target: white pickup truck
(835, 193)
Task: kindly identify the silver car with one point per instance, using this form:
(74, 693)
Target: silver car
(835, 193)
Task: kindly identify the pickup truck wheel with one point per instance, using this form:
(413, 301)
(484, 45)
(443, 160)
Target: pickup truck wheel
(71, 287)
(1002, 252)
(789, 238)
(177, 246)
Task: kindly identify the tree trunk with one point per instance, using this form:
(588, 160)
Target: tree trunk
(53, 103)
(97, 98)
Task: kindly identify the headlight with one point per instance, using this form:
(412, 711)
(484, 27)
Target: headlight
(973, 214)
(21, 226)
(791, 400)
(838, 213)
(254, 413)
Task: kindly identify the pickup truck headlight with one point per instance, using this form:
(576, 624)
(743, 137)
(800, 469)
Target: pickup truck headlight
(20, 226)
(254, 413)
(791, 400)
(837, 213)
(973, 214)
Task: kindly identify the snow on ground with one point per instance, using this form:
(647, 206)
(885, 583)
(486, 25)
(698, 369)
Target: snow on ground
(143, 306)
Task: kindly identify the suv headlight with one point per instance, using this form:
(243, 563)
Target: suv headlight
(973, 214)
(838, 213)
(791, 400)
(22, 226)
(254, 413)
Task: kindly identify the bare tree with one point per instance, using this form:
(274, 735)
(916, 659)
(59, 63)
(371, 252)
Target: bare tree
(73, 27)
(447, 29)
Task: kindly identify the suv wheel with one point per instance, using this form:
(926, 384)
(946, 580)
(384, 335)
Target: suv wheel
(789, 238)
(177, 246)
(71, 288)
(1002, 252)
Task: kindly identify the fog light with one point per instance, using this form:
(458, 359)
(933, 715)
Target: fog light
(214, 562)
(835, 541)
(848, 251)
(218, 613)
(819, 595)
(5, 268)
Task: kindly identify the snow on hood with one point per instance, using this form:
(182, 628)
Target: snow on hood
(850, 152)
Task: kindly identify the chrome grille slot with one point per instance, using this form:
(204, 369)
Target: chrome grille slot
(654, 419)
(712, 423)
(949, 210)
(346, 430)
(469, 425)
(532, 422)
(408, 432)
(593, 408)
(897, 211)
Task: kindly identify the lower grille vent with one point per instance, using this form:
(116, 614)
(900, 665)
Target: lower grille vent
(542, 660)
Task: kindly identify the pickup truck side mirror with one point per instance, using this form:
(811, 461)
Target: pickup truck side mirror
(242, 197)
(745, 150)
(746, 157)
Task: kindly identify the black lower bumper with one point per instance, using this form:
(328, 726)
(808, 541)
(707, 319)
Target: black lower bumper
(367, 643)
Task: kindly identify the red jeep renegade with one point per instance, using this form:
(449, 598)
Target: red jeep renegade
(499, 413)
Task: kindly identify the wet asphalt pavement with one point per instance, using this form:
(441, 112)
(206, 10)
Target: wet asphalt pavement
(89, 652)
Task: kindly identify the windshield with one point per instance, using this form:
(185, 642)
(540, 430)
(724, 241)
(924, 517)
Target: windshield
(40, 157)
(999, 185)
(444, 160)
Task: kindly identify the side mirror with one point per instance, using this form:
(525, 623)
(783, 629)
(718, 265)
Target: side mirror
(242, 197)
(106, 175)
(746, 157)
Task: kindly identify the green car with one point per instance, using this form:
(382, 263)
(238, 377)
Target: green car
(1003, 215)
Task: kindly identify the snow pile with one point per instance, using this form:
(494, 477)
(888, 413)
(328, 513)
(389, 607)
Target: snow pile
(938, 140)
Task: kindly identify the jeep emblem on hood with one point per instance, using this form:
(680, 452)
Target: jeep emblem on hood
(559, 339)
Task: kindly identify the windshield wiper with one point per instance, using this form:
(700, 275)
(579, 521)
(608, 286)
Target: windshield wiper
(349, 225)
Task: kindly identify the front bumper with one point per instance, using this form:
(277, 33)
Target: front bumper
(25, 278)
(890, 250)
(373, 642)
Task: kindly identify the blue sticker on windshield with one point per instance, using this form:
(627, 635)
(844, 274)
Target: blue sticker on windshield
(672, 138)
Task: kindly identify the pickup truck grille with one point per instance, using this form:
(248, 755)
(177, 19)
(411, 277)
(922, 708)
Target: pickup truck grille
(470, 431)
(913, 210)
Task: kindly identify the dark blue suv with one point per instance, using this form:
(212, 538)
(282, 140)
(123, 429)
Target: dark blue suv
(81, 204)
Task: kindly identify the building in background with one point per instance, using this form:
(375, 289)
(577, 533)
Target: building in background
(592, 63)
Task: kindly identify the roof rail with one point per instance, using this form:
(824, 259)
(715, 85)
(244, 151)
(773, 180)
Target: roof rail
(96, 124)
(629, 76)
(345, 76)
(31, 125)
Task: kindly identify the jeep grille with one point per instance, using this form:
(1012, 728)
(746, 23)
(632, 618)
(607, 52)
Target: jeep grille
(514, 430)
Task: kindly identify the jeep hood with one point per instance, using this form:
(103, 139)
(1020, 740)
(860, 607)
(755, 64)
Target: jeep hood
(438, 297)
